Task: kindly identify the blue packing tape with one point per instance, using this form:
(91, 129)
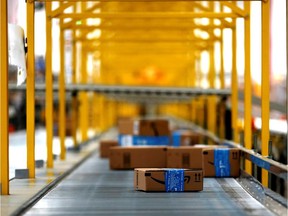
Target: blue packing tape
(222, 162)
(176, 137)
(174, 180)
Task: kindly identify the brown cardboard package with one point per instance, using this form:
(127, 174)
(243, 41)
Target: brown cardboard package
(137, 157)
(153, 179)
(184, 157)
(189, 139)
(212, 170)
(144, 127)
(125, 126)
(105, 147)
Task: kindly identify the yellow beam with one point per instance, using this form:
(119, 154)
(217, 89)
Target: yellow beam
(49, 88)
(265, 83)
(192, 1)
(84, 98)
(62, 97)
(144, 27)
(58, 11)
(222, 74)
(234, 85)
(4, 116)
(211, 100)
(247, 89)
(207, 9)
(30, 99)
(73, 21)
(149, 15)
(240, 12)
(74, 117)
(145, 40)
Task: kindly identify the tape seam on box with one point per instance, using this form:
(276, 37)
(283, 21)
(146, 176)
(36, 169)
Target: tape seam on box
(174, 180)
(222, 162)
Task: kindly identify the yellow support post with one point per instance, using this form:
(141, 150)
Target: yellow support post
(30, 92)
(74, 116)
(101, 112)
(222, 74)
(4, 116)
(83, 95)
(265, 83)
(211, 100)
(221, 105)
(234, 85)
(247, 89)
(49, 87)
(62, 97)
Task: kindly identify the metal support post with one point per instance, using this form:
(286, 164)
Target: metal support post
(211, 100)
(83, 95)
(4, 116)
(62, 97)
(74, 121)
(49, 87)
(30, 93)
(247, 89)
(265, 83)
(234, 85)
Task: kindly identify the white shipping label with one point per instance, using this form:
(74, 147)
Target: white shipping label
(126, 140)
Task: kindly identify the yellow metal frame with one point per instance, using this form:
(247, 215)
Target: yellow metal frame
(62, 95)
(198, 10)
(74, 81)
(49, 87)
(247, 90)
(4, 154)
(30, 99)
(84, 107)
(234, 85)
(265, 83)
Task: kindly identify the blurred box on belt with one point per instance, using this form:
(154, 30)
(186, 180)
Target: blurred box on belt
(168, 180)
(185, 157)
(221, 162)
(185, 138)
(137, 157)
(144, 127)
(133, 140)
(105, 147)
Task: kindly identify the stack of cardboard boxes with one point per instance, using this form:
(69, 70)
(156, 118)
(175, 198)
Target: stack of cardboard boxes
(167, 168)
(185, 137)
(143, 132)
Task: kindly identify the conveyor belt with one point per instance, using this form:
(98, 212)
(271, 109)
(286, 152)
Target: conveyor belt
(93, 189)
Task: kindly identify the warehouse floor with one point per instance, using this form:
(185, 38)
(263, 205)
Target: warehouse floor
(93, 189)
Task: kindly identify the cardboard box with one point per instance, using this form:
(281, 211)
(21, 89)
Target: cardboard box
(185, 138)
(169, 180)
(131, 140)
(125, 126)
(105, 147)
(144, 127)
(184, 157)
(221, 162)
(137, 157)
